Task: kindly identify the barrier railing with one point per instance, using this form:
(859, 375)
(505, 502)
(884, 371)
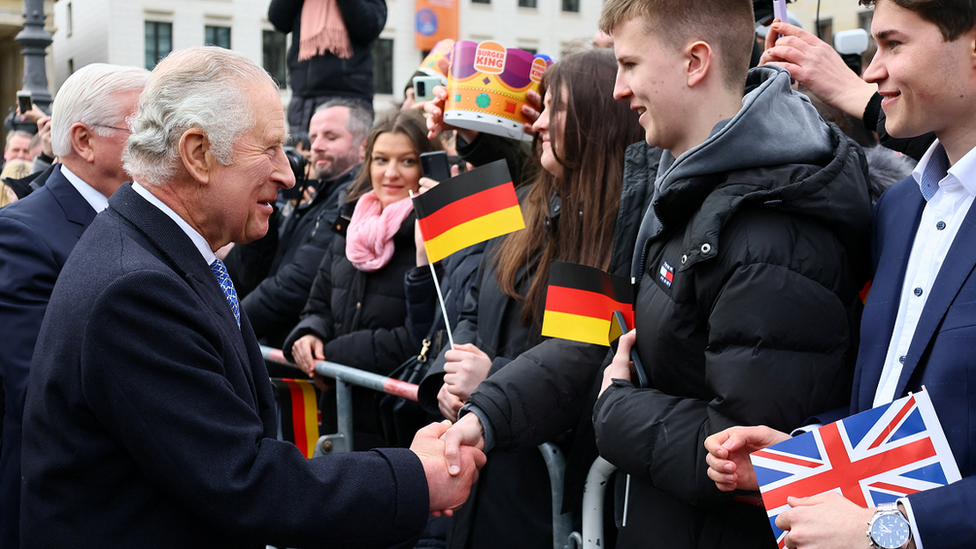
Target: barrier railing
(341, 441)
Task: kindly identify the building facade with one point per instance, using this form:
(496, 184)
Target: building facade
(139, 32)
(11, 60)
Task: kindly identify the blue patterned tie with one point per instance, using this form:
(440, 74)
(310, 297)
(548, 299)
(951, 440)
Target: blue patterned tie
(227, 285)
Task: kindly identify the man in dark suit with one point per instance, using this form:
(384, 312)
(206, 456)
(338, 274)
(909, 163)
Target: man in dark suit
(919, 321)
(38, 233)
(150, 419)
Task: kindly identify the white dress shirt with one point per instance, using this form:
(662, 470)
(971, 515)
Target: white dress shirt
(949, 196)
(95, 199)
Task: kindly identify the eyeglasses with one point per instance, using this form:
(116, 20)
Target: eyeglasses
(113, 127)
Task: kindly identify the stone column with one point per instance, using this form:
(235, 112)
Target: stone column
(35, 40)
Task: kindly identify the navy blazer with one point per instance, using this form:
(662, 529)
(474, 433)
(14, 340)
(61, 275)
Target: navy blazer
(150, 418)
(942, 355)
(36, 236)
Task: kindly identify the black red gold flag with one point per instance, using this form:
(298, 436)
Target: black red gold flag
(580, 301)
(473, 207)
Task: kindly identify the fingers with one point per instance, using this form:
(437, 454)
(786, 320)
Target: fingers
(787, 29)
(448, 403)
(771, 36)
(452, 450)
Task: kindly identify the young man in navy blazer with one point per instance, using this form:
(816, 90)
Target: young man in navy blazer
(919, 320)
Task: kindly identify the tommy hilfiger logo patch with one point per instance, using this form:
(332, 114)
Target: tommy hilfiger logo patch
(666, 275)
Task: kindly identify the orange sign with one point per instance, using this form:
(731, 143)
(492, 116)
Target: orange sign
(434, 20)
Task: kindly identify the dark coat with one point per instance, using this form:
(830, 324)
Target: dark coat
(275, 305)
(361, 318)
(150, 418)
(36, 236)
(755, 324)
(326, 74)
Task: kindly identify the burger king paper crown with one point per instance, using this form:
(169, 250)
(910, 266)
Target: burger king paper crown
(487, 87)
(442, 50)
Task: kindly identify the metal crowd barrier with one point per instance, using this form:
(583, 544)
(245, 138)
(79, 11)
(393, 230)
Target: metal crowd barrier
(562, 525)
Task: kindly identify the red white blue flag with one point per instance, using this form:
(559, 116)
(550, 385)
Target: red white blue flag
(873, 457)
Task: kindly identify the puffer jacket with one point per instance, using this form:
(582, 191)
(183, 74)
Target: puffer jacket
(750, 262)
(360, 316)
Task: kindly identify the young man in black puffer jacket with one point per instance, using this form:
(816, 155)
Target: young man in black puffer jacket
(749, 264)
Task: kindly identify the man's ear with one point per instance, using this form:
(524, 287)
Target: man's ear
(81, 141)
(194, 149)
(700, 58)
(362, 151)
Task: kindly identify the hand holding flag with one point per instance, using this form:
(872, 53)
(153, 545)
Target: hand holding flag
(873, 457)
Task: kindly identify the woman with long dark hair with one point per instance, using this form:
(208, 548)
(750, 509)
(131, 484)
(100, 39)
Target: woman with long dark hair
(571, 214)
(356, 310)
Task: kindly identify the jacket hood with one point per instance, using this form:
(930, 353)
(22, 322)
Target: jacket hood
(776, 152)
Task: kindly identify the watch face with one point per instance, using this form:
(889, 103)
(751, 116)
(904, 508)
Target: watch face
(890, 531)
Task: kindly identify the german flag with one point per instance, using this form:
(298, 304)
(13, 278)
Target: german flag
(462, 211)
(580, 301)
(299, 413)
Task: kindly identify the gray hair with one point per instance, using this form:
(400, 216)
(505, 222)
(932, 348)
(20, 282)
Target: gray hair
(203, 87)
(90, 97)
(360, 120)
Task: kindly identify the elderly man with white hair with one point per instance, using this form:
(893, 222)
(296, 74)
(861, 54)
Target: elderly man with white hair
(150, 419)
(38, 233)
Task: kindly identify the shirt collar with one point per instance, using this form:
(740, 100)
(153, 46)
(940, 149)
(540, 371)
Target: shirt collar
(95, 199)
(197, 238)
(933, 171)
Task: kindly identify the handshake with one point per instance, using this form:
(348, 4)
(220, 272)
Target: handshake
(451, 456)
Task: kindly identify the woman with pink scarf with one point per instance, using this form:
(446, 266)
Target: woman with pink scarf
(356, 310)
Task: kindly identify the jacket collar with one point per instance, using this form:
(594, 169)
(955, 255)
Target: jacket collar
(176, 248)
(76, 208)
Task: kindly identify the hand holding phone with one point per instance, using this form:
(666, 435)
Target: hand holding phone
(618, 327)
(779, 12)
(435, 166)
(24, 102)
(423, 87)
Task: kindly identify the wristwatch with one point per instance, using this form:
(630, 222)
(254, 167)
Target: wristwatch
(889, 529)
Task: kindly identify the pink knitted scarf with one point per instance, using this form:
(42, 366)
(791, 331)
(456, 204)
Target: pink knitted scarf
(323, 30)
(369, 238)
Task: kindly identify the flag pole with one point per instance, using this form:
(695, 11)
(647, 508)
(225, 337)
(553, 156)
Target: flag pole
(437, 286)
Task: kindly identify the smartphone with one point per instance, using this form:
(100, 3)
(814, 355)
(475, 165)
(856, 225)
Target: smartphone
(618, 327)
(24, 101)
(779, 11)
(435, 166)
(423, 87)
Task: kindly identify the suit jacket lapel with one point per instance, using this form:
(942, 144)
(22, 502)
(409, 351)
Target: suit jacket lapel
(903, 212)
(76, 209)
(183, 255)
(955, 270)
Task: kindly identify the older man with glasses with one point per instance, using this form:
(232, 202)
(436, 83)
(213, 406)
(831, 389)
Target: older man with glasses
(38, 233)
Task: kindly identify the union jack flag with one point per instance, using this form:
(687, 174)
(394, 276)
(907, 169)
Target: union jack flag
(873, 457)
